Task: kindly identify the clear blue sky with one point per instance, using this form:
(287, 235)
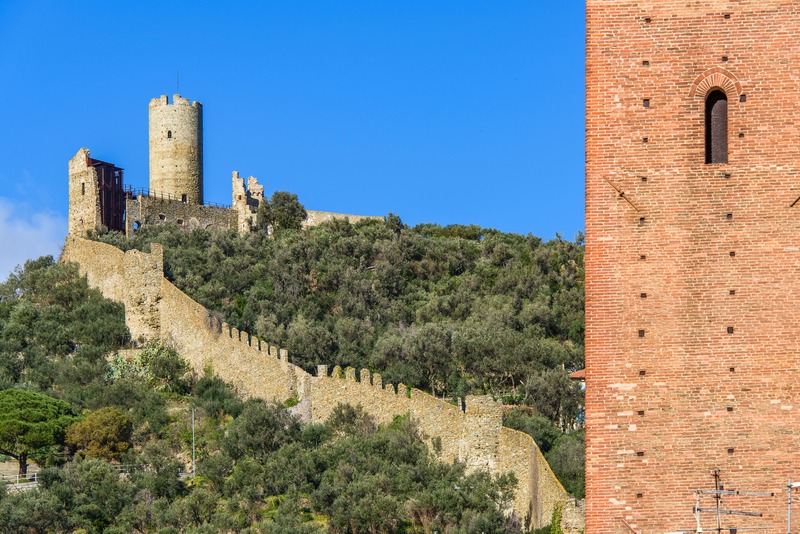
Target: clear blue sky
(453, 112)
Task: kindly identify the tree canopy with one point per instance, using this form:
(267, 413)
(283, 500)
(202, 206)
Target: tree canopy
(31, 425)
(104, 433)
(282, 211)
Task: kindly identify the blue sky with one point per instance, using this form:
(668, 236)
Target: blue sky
(452, 112)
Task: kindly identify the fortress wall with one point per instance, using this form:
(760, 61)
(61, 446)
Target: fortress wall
(435, 417)
(518, 453)
(142, 291)
(474, 436)
(318, 217)
(101, 264)
(234, 356)
(152, 211)
(538, 488)
(154, 307)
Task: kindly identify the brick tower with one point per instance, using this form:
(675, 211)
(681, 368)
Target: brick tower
(692, 261)
(176, 149)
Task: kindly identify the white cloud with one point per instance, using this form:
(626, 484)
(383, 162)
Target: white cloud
(27, 234)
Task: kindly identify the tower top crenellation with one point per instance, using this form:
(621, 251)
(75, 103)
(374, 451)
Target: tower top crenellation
(177, 100)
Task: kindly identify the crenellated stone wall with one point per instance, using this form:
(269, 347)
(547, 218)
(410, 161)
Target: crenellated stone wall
(471, 433)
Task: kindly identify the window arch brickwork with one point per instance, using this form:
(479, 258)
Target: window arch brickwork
(717, 87)
(716, 78)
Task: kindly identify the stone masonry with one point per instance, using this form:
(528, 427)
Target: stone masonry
(691, 267)
(176, 148)
(175, 194)
(141, 210)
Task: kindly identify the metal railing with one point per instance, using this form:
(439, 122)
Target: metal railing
(132, 192)
(17, 479)
(29, 481)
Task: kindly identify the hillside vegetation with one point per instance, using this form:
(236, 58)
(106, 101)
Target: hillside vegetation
(452, 310)
(113, 439)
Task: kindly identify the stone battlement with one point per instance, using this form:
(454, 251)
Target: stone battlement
(177, 100)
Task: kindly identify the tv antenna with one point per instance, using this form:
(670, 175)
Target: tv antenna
(718, 493)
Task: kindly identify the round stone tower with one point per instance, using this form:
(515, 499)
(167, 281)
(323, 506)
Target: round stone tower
(176, 149)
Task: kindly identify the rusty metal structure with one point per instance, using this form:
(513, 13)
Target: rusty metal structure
(111, 194)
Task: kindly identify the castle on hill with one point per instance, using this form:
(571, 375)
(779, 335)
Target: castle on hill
(99, 198)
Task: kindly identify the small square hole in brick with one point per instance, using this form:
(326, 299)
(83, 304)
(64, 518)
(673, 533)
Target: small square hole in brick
(645, 63)
(730, 330)
(643, 295)
(729, 408)
(730, 451)
(732, 253)
(642, 372)
(726, 16)
(646, 102)
(641, 333)
(639, 495)
(639, 453)
(724, 58)
(644, 178)
(648, 20)
(732, 369)
(732, 292)
(642, 257)
(742, 98)
(727, 175)
(729, 215)
(741, 135)
(641, 219)
(645, 140)
(640, 413)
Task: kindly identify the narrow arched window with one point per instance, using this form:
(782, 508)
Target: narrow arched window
(169, 134)
(716, 127)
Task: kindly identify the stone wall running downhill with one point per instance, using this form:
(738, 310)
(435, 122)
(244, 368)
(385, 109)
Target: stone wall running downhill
(471, 433)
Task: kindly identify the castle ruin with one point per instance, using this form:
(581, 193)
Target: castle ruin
(99, 199)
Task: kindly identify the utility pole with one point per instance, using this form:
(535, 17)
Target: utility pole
(192, 441)
(789, 487)
(718, 492)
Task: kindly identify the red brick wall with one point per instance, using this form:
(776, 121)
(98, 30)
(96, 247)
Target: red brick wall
(713, 248)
